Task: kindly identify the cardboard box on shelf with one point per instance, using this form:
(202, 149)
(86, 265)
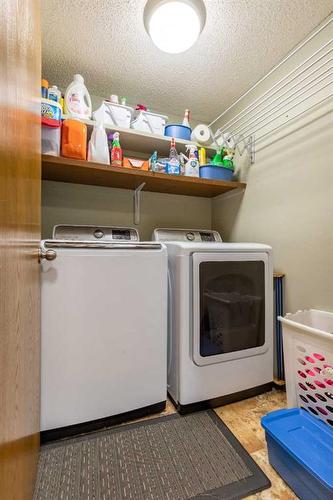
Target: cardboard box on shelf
(135, 163)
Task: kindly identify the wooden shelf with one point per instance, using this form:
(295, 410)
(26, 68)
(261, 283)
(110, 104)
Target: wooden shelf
(143, 142)
(56, 168)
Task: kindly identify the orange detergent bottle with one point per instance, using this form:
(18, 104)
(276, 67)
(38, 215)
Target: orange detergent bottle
(74, 139)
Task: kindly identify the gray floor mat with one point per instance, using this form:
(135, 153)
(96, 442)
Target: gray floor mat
(167, 458)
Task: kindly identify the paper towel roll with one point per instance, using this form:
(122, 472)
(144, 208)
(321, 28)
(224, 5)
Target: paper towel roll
(202, 134)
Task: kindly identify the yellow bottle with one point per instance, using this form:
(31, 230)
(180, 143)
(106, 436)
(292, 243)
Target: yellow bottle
(61, 102)
(202, 156)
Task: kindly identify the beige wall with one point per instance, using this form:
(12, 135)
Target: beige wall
(64, 203)
(288, 203)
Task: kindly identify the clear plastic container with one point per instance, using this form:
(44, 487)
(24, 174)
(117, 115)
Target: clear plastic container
(51, 140)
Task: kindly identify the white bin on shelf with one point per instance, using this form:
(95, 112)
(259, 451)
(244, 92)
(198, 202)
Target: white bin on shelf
(146, 121)
(308, 357)
(111, 114)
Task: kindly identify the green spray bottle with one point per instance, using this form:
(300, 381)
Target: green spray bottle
(218, 158)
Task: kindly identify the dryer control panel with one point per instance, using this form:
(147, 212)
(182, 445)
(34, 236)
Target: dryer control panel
(94, 233)
(190, 235)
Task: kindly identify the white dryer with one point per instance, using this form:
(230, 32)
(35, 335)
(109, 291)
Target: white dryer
(220, 343)
(104, 328)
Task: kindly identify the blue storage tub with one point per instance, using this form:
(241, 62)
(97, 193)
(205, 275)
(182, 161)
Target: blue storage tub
(215, 172)
(300, 448)
(178, 131)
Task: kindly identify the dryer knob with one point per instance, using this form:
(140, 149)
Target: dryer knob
(190, 236)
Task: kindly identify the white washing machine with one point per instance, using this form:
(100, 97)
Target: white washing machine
(104, 328)
(220, 346)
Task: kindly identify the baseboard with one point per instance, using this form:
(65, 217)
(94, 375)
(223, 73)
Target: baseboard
(279, 384)
(222, 400)
(101, 423)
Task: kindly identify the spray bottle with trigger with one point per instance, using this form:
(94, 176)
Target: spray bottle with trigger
(192, 165)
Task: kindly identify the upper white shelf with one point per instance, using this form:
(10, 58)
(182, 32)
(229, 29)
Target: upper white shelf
(144, 142)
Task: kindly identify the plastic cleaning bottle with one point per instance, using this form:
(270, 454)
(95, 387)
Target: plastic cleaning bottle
(186, 121)
(98, 148)
(182, 161)
(173, 155)
(116, 152)
(62, 103)
(202, 156)
(228, 159)
(218, 158)
(77, 99)
(44, 88)
(152, 161)
(54, 94)
(192, 165)
(173, 165)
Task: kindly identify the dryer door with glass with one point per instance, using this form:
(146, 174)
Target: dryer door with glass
(232, 306)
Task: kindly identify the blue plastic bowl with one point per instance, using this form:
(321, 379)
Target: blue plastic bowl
(178, 131)
(215, 172)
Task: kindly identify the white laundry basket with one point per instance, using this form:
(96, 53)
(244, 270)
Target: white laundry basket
(111, 114)
(146, 121)
(308, 357)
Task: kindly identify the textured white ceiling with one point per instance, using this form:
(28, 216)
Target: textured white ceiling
(106, 42)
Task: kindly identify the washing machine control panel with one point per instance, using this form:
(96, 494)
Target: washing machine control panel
(121, 234)
(210, 236)
(190, 235)
(94, 233)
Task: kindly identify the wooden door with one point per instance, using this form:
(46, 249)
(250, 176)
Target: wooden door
(20, 187)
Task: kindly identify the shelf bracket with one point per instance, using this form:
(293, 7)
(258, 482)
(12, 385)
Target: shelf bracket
(231, 194)
(137, 202)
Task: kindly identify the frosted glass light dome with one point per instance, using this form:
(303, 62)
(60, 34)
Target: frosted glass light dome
(174, 25)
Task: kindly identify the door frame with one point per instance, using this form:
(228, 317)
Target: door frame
(20, 208)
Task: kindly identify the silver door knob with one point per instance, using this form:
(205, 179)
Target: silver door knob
(47, 254)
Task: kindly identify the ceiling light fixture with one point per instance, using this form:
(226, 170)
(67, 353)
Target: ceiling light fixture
(174, 25)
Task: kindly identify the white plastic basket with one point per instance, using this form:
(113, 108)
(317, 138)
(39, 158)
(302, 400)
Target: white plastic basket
(308, 357)
(146, 121)
(117, 115)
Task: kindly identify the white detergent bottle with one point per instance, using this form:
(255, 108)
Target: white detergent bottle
(77, 99)
(98, 148)
(192, 165)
